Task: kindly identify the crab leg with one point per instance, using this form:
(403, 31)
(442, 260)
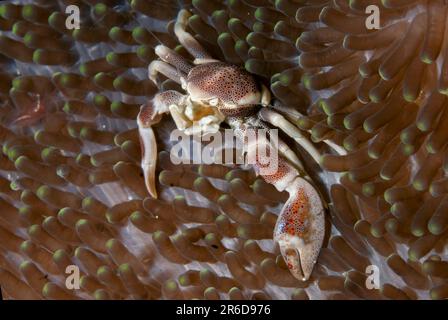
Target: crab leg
(283, 148)
(173, 58)
(150, 114)
(290, 155)
(293, 115)
(279, 121)
(300, 227)
(167, 70)
(188, 41)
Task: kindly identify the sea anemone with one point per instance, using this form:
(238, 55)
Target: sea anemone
(72, 192)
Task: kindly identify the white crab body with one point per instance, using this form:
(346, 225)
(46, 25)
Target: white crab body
(222, 83)
(196, 117)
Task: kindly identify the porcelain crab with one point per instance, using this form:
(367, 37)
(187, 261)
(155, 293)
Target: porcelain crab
(215, 92)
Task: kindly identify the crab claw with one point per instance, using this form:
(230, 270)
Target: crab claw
(300, 228)
(145, 119)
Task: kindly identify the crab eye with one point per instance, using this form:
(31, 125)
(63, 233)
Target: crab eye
(214, 102)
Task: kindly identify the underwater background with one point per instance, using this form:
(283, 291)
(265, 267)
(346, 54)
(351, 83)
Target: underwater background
(72, 191)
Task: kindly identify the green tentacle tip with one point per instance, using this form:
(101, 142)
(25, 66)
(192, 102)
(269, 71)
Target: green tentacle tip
(20, 161)
(430, 148)
(77, 252)
(144, 51)
(25, 264)
(110, 243)
(83, 69)
(302, 123)
(363, 72)
(171, 285)
(14, 186)
(210, 237)
(347, 124)
(3, 10)
(101, 270)
(418, 232)
(62, 171)
(306, 80)
(373, 154)
(374, 98)
(27, 11)
(435, 228)
(413, 256)
(37, 55)
(223, 197)
(223, 36)
(52, 18)
(258, 14)
(111, 57)
(81, 223)
(388, 196)
(419, 185)
(33, 229)
(179, 197)
(13, 154)
(157, 235)
(17, 84)
(368, 189)
(114, 30)
(348, 145)
(138, 32)
(425, 59)
(326, 107)
(86, 202)
(423, 126)
(284, 79)
(27, 39)
(66, 107)
(383, 75)
(183, 280)
(204, 272)
(16, 28)
(248, 65)
(367, 128)
(26, 245)
(408, 149)
(46, 289)
(394, 208)
(125, 267)
(135, 215)
(375, 233)
(62, 212)
(100, 9)
(322, 159)
(99, 99)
